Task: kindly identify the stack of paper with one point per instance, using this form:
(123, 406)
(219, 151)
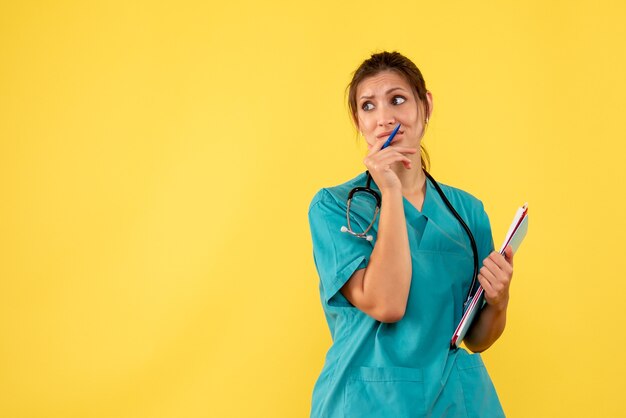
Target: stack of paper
(514, 237)
(517, 230)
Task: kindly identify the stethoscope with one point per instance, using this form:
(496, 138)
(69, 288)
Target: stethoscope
(364, 235)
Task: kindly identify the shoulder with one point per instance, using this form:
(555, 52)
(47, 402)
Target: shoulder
(468, 205)
(462, 197)
(473, 212)
(336, 196)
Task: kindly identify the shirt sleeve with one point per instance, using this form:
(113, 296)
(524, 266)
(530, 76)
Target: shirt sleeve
(337, 254)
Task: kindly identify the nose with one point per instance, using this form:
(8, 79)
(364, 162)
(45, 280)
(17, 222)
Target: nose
(386, 117)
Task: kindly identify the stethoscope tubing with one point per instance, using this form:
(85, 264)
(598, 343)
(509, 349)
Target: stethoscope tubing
(467, 231)
(376, 195)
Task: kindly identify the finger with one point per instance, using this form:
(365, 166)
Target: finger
(404, 150)
(502, 275)
(494, 288)
(391, 158)
(384, 161)
(394, 150)
(406, 162)
(491, 265)
(489, 276)
(508, 254)
(492, 295)
(376, 146)
(486, 285)
(501, 262)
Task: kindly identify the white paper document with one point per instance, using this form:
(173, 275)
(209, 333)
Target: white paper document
(514, 237)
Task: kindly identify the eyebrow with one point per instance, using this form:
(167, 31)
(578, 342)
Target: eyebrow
(386, 93)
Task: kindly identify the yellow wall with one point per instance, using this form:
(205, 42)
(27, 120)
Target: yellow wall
(157, 160)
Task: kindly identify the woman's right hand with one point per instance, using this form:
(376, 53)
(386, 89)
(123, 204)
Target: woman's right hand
(379, 162)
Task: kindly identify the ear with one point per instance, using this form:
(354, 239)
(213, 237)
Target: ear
(429, 99)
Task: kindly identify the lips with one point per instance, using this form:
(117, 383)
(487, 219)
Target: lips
(386, 134)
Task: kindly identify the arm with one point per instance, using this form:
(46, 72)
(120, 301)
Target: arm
(495, 278)
(382, 289)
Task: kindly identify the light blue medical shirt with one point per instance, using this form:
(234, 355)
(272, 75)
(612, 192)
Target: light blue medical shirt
(402, 369)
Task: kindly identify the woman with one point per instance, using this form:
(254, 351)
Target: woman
(393, 301)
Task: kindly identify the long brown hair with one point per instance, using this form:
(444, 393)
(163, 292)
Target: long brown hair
(398, 63)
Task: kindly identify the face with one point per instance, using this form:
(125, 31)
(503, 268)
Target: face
(383, 101)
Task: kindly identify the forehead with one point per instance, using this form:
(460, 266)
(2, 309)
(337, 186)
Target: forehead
(379, 83)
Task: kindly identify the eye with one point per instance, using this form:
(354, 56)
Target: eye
(398, 100)
(366, 106)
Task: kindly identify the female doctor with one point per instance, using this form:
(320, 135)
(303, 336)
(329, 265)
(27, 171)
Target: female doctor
(392, 302)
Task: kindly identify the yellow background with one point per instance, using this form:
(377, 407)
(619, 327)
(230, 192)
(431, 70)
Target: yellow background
(157, 160)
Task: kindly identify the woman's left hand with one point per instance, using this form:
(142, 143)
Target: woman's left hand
(495, 278)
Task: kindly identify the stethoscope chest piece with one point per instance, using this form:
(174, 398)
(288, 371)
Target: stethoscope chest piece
(367, 189)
